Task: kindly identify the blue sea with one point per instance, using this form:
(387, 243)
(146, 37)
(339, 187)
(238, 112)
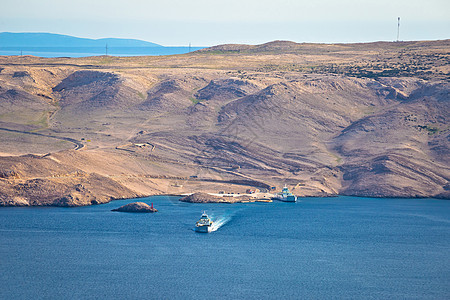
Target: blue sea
(94, 51)
(318, 248)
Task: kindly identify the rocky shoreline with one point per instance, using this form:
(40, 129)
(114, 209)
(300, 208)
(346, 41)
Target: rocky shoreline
(320, 120)
(207, 198)
(198, 198)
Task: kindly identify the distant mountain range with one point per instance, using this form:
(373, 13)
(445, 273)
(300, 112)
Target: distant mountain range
(31, 39)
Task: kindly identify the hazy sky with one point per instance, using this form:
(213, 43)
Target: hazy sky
(212, 22)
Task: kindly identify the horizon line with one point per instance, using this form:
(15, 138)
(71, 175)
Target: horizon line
(225, 43)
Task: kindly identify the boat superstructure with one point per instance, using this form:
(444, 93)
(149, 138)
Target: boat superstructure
(285, 195)
(204, 224)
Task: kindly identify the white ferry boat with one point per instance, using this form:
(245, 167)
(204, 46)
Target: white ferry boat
(204, 224)
(285, 196)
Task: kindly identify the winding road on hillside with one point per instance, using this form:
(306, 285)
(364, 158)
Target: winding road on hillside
(78, 144)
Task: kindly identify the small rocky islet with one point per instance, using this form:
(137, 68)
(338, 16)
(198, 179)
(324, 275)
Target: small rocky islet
(136, 207)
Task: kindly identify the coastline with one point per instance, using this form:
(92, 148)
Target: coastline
(65, 149)
(254, 200)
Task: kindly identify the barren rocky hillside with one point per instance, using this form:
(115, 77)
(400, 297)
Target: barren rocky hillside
(354, 119)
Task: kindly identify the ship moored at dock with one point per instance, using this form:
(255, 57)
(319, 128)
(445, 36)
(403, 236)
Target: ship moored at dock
(285, 195)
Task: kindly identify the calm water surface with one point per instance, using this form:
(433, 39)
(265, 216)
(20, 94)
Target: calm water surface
(345, 247)
(94, 51)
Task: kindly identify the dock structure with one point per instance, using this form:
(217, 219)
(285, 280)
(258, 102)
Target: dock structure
(254, 195)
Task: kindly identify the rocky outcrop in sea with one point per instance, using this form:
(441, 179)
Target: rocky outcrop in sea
(136, 207)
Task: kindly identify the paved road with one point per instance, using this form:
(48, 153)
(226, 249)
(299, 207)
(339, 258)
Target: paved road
(78, 144)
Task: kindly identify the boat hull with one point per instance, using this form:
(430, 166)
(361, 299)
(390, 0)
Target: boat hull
(203, 229)
(286, 199)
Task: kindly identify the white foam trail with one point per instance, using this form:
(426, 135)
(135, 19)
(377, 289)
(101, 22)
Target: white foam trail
(219, 222)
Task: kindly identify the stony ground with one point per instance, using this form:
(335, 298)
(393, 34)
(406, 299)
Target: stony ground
(354, 119)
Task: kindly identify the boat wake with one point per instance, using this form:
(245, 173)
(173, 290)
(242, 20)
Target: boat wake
(219, 222)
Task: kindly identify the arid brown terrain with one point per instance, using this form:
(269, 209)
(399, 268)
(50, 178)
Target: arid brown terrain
(326, 119)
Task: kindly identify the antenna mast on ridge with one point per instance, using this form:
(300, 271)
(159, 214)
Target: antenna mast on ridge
(398, 28)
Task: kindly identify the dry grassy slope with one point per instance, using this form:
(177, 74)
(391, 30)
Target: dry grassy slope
(357, 119)
(400, 150)
(288, 46)
(46, 180)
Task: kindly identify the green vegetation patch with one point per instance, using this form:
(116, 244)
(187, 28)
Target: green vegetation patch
(337, 158)
(42, 122)
(142, 96)
(430, 129)
(194, 100)
(105, 60)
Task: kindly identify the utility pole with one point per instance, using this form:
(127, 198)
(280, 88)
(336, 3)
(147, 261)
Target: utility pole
(398, 29)
(106, 50)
